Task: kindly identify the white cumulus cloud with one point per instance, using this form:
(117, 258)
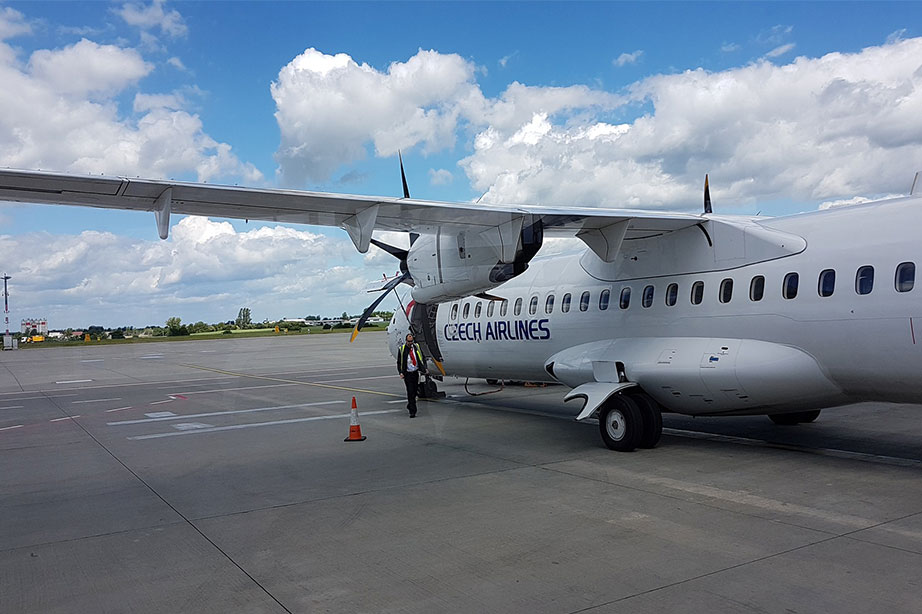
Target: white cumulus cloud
(205, 270)
(59, 111)
(815, 129)
(440, 176)
(330, 108)
(154, 16)
(628, 58)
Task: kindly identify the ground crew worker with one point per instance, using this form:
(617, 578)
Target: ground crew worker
(410, 363)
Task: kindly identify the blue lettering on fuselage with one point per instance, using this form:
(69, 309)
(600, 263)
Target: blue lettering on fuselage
(502, 330)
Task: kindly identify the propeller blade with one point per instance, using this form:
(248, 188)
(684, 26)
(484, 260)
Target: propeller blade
(371, 308)
(396, 252)
(403, 177)
(707, 196)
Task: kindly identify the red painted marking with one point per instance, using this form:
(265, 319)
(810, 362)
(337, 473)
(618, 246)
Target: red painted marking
(410, 308)
(179, 396)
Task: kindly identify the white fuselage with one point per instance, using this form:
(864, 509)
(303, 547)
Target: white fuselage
(868, 345)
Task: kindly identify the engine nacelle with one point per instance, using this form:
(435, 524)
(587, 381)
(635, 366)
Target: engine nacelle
(447, 266)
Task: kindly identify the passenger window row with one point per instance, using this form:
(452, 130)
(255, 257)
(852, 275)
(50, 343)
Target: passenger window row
(903, 281)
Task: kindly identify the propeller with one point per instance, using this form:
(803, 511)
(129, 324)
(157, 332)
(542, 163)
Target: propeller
(396, 252)
(371, 308)
(707, 196)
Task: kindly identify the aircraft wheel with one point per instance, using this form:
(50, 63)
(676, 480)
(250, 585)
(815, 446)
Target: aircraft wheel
(492, 382)
(796, 417)
(652, 419)
(620, 424)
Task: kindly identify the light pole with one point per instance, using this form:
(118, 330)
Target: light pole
(6, 303)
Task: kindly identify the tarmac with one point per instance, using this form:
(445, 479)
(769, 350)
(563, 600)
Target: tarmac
(212, 476)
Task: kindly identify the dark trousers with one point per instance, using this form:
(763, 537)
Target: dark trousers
(411, 380)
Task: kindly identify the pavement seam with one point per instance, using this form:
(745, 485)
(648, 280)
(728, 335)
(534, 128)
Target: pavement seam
(177, 512)
(69, 540)
(704, 575)
(694, 502)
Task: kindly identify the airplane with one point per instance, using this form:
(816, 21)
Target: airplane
(698, 314)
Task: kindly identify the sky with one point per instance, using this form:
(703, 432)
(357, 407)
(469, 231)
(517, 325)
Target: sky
(788, 106)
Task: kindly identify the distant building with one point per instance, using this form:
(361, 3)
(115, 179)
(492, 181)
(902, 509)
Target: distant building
(39, 324)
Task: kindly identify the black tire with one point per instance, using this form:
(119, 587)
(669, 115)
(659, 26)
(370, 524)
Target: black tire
(808, 416)
(652, 418)
(620, 424)
(492, 382)
(797, 417)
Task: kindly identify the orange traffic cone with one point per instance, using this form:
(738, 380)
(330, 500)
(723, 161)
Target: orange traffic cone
(355, 431)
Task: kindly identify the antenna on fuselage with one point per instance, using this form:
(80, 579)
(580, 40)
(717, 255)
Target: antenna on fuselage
(915, 181)
(707, 195)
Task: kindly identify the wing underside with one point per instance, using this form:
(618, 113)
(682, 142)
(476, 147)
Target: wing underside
(324, 209)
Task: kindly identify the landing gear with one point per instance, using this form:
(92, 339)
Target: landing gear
(620, 423)
(798, 417)
(651, 416)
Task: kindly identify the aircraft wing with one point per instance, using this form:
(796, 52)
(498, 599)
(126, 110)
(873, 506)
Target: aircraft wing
(359, 215)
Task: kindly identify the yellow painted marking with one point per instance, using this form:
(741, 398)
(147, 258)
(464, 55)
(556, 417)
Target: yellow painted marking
(292, 381)
(439, 365)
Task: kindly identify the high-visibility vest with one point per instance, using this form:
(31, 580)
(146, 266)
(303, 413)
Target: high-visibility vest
(402, 358)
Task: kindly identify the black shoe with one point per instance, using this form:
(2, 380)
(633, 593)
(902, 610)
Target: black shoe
(412, 415)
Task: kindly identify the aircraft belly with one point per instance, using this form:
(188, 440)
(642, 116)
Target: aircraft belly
(703, 375)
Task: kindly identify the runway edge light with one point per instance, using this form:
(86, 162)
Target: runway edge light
(355, 431)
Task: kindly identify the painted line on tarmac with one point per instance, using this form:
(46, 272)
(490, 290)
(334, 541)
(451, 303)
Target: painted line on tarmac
(294, 382)
(223, 413)
(98, 400)
(187, 392)
(9, 428)
(94, 360)
(161, 402)
(358, 379)
(251, 425)
(109, 411)
(831, 452)
(74, 381)
(13, 407)
(64, 418)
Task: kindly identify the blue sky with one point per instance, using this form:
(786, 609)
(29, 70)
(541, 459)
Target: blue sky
(608, 104)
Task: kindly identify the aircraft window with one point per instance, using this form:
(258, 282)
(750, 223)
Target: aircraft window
(697, 292)
(864, 280)
(757, 288)
(625, 298)
(490, 306)
(477, 310)
(503, 307)
(789, 286)
(726, 290)
(549, 304)
(647, 298)
(565, 303)
(533, 305)
(603, 299)
(584, 301)
(467, 310)
(518, 306)
(672, 294)
(827, 283)
(454, 311)
(905, 277)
